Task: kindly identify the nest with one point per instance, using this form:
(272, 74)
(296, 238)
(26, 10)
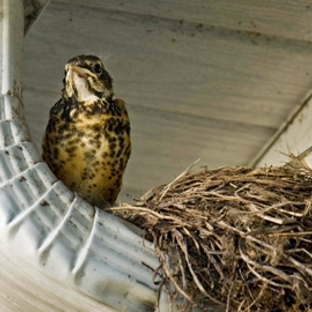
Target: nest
(232, 239)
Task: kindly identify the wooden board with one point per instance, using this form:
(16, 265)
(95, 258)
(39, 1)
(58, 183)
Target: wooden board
(280, 18)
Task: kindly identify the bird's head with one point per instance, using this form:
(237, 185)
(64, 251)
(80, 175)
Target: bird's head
(86, 79)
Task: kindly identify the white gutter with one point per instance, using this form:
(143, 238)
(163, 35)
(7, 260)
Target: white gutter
(57, 252)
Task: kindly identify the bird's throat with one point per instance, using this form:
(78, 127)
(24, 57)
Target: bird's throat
(79, 87)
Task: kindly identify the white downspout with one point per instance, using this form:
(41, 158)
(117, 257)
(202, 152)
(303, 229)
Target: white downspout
(57, 253)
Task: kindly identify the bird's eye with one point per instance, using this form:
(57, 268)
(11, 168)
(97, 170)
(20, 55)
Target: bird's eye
(98, 69)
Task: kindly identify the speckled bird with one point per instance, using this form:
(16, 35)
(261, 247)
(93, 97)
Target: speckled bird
(87, 139)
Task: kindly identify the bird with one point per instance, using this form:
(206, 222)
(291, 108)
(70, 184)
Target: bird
(87, 143)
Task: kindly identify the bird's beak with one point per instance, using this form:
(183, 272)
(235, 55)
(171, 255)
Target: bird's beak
(73, 69)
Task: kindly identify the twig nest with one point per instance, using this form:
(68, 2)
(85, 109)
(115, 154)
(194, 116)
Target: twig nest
(232, 239)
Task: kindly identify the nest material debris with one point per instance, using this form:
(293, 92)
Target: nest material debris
(232, 239)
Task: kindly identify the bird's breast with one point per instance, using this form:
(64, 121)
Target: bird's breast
(92, 155)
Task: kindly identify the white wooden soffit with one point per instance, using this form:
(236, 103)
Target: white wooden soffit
(293, 137)
(57, 252)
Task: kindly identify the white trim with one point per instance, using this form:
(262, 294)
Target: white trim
(293, 137)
